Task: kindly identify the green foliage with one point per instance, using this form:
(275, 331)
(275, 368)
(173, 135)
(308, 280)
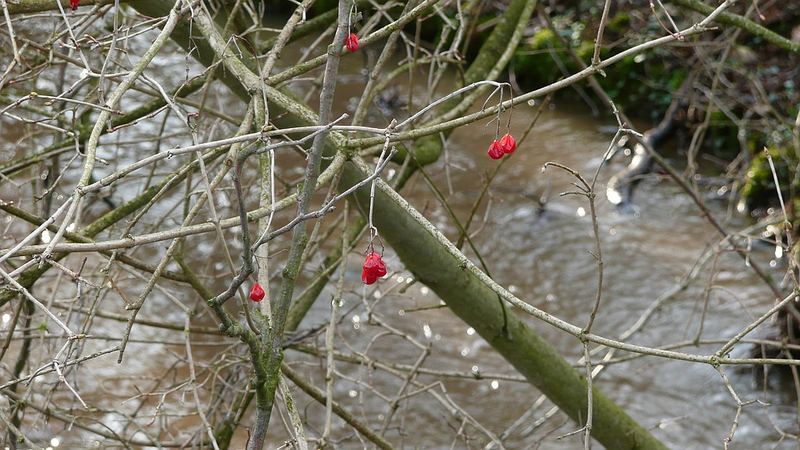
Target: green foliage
(320, 6)
(759, 188)
(721, 137)
(628, 82)
(532, 60)
(619, 23)
(543, 38)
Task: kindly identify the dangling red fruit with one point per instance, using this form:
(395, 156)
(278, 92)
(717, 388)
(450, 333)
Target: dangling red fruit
(380, 266)
(368, 277)
(495, 150)
(351, 43)
(257, 293)
(508, 144)
(373, 268)
(74, 4)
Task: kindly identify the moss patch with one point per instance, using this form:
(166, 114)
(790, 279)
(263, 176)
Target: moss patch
(759, 188)
(543, 59)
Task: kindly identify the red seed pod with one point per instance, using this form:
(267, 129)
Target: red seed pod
(74, 4)
(495, 150)
(373, 268)
(380, 267)
(257, 293)
(508, 144)
(351, 43)
(367, 277)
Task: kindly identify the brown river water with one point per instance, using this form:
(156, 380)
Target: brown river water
(542, 255)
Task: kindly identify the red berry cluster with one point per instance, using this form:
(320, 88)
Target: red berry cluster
(503, 146)
(74, 4)
(257, 293)
(351, 43)
(373, 268)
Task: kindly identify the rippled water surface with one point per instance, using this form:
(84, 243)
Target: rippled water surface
(543, 255)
